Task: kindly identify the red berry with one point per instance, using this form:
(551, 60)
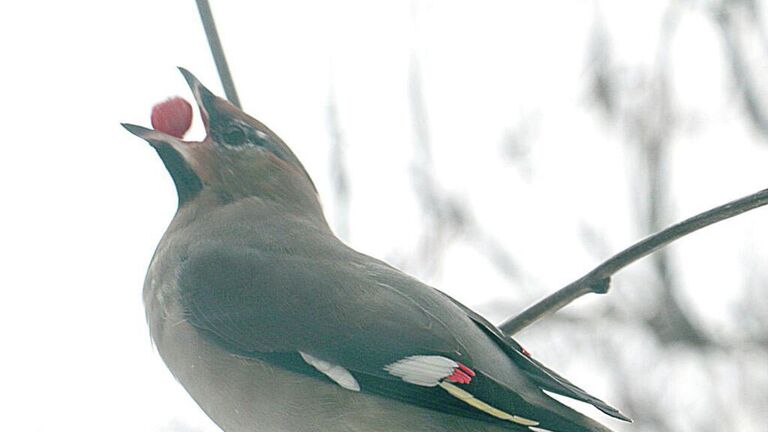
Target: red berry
(173, 116)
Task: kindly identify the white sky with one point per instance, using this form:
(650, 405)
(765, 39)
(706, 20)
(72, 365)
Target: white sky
(86, 202)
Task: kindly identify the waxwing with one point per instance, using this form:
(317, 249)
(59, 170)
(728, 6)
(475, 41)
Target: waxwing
(271, 323)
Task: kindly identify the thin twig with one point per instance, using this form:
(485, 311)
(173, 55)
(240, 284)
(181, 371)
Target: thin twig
(598, 280)
(339, 174)
(742, 75)
(218, 52)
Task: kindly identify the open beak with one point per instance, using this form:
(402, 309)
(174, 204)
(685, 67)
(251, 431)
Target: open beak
(154, 137)
(205, 98)
(205, 102)
(183, 159)
(161, 140)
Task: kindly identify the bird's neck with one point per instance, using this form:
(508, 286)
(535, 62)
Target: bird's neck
(255, 206)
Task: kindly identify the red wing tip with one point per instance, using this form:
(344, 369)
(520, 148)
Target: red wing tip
(461, 374)
(466, 370)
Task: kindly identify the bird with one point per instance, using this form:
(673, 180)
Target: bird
(272, 323)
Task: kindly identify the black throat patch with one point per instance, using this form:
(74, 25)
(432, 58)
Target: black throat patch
(188, 184)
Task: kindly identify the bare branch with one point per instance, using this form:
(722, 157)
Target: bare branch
(337, 162)
(218, 52)
(598, 280)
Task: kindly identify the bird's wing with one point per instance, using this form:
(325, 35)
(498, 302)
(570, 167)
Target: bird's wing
(366, 326)
(543, 376)
(257, 301)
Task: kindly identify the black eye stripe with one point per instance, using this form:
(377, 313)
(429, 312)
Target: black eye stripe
(234, 136)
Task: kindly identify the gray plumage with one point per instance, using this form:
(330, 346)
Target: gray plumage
(248, 281)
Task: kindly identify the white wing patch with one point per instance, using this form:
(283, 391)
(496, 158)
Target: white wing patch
(338, 374)
(431, 371)
(422, 370)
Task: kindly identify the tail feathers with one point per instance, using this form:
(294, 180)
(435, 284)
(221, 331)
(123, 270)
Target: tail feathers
(544, 377)
(537, 410)
(565, 419)
(550, 380)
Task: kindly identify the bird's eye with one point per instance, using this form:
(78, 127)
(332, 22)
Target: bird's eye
(234, 136)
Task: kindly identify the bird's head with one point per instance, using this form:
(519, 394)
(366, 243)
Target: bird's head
(239, 158)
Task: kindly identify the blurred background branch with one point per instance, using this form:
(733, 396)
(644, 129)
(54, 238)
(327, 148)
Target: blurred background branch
(598, 280)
